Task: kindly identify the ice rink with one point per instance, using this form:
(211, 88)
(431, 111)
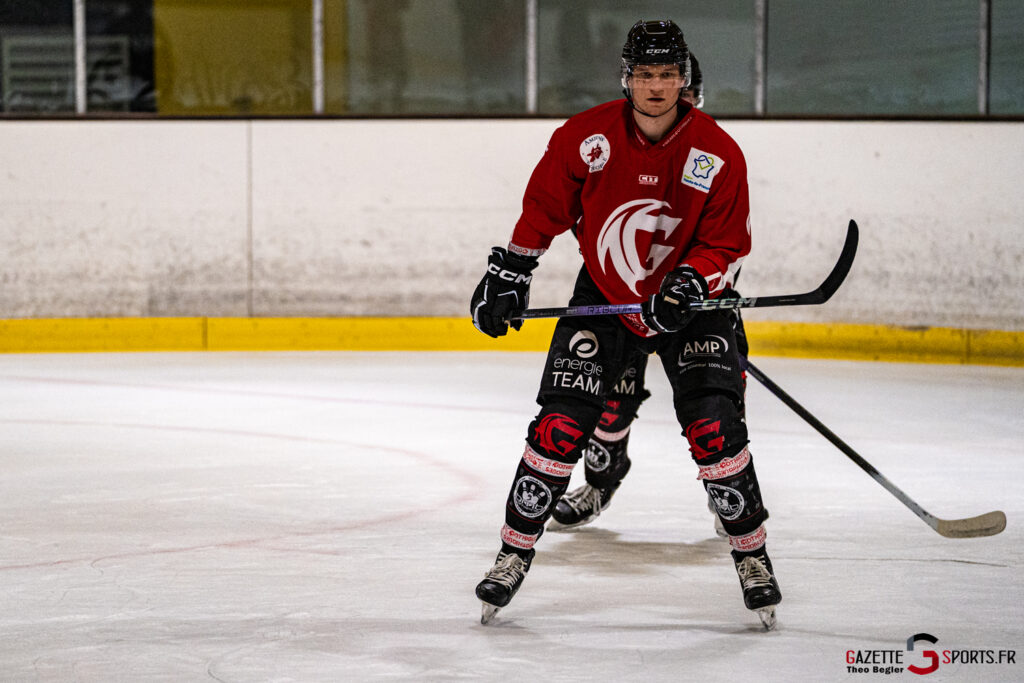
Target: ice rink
(325, 517)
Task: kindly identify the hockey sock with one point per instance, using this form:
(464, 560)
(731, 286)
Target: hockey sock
(606, 460)
(553, 447)
(733, 489)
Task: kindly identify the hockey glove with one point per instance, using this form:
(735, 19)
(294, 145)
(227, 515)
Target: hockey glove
(503, 292)
(670, 309)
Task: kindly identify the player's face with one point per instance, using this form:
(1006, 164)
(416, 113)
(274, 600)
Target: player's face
(655, 87)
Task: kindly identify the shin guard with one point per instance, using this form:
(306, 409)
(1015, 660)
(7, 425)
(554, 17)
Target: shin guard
(553, 447)
(718, 443)
(735, 494)
(606, 457)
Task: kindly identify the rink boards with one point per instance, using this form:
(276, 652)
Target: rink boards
(789, 339)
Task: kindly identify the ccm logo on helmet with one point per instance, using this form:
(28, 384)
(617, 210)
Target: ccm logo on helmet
(508, 275)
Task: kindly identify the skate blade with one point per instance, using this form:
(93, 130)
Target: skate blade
(767, 616)
(488, 612)
(558, 527)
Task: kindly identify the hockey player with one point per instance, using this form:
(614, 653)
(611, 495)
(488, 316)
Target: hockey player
(606, 460)
(694, 94)
(658, 197)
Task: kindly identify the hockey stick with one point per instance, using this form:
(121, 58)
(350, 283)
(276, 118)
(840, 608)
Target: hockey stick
(818, 296)
(988, 524)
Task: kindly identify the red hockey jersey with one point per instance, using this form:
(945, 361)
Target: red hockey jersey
(640, 209)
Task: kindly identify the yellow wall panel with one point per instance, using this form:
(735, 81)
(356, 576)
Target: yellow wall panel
(801, 340)
(102, 334)
(368, 334)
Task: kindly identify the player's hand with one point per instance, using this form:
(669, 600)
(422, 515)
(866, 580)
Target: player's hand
(671, 309)
(503, 292)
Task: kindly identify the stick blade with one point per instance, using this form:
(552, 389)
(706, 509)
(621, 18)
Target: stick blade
(843, 265)
(988, 524)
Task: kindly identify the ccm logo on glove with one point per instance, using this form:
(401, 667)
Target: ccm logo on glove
(508, 275)
(503, 293)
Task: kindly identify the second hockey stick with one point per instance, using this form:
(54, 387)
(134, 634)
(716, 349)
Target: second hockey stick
(817, 296)
(988, 524)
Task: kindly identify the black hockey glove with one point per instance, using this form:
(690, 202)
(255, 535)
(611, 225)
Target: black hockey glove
(503, 292)
(669, 309)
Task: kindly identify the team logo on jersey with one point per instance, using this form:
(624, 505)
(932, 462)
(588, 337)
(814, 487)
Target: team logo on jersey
(595, 152)
(728, 501)
(584, 344)
(700, 169)
(618, 239)
(531, 496)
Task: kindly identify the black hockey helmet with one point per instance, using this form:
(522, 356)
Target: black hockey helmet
(655, 42)
(696, 82)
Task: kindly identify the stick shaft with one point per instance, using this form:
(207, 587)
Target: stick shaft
(817, 296)
(840, 444)
(988, 524)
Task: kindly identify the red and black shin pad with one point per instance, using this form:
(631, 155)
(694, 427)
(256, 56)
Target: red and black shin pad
(718, 444)
(606, 458)
(554, 445)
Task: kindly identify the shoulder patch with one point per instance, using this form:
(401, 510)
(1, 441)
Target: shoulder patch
(595, 152)
(700, 169)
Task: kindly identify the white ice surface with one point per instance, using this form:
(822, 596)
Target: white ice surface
(325, 516)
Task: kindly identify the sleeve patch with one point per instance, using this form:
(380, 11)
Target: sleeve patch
(700, 169)
(595, 152)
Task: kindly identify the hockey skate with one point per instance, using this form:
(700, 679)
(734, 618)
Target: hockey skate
(501, 582)
(760, 589)
(580, 506)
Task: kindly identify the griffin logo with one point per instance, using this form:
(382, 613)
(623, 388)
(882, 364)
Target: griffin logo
(557, 434)
(610, 416)
(619, 239)
(704, 438)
